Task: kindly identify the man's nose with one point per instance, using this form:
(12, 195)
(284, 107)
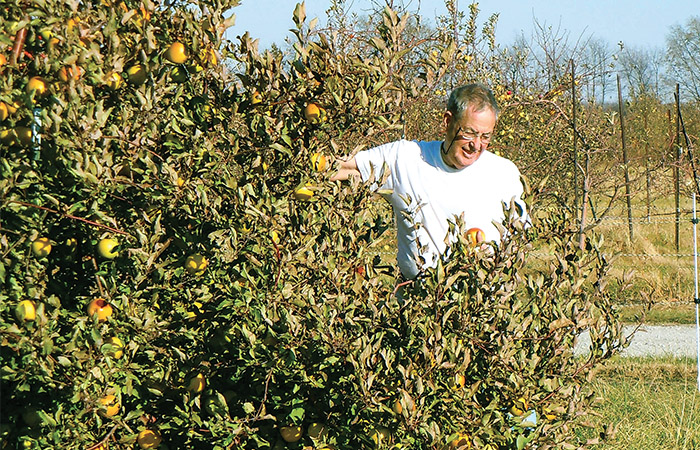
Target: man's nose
(476, 143)
(474, 147)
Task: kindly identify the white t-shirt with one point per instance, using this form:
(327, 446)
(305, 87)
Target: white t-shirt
(437, 194)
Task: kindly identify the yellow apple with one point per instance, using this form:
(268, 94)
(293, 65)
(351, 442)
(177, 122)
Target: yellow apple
(25, 311)
(117, 347)
(100, 308)
(136, 74)
(113, 80)
(319, 162)
(149, 439)
(519, 407)
(461, 441)
(179, 74)
(106, 246)
(196, 264)
(37, 86)
(475, 236)
(549, 414)
(176, 53)
(303, 193)
(109, 405)
(316, 430)
(31, 417)
(4, 111)
(47, 35)
(41, 247)
(457, 382)
(312, 113)
(291, 433)
(197, 384)
(67, 73)
(23, 136)
(8, 137)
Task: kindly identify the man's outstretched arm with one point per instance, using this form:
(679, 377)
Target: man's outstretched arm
(348, 169)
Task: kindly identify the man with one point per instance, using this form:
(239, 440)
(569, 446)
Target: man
(433, 183)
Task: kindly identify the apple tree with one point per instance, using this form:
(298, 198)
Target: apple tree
(178, 270)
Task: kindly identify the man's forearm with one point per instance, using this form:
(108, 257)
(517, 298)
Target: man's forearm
(348, 169)
(346, 174)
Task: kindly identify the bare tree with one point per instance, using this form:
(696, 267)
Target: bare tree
(683, 57)
(597, 63)
(641, 69)
(552, 52)
(516, 65)
(545, 58)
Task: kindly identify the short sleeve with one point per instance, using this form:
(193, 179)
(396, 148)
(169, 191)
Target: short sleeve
(378, 163)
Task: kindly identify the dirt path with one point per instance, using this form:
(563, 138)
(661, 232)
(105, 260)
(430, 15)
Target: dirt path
(656, 340)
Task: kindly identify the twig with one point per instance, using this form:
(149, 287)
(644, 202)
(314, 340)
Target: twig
(267, 389)
(396, 289)
(102, 445)
(69, 216)
(97, 278)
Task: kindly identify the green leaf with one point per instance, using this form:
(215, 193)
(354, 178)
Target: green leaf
(299, 15)
(248, 408)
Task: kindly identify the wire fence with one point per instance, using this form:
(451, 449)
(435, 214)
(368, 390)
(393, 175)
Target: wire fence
(660, 252)
(663, 272)
(622, 222)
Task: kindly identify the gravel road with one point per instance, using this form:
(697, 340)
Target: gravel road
(656, 340)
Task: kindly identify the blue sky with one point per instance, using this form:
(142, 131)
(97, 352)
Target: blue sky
(638, 23)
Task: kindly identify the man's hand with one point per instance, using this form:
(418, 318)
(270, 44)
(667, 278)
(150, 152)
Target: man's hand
(348, 169)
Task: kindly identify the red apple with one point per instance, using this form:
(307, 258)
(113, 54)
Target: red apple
(475, 236)
(101, 308)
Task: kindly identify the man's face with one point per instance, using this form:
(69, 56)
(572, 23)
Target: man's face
(467, 137)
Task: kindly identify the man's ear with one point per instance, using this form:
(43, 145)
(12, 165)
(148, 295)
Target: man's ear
(446, 120)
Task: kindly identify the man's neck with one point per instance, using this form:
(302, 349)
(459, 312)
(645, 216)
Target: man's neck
(443, 155)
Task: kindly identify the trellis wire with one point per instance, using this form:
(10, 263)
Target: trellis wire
(642, 220)
(615, 220)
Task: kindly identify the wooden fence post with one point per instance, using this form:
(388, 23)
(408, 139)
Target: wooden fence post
(625, 160)
(677, 171)
(573, 121)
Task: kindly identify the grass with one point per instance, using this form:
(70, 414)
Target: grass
(675, 313)
(653, 403)
(661, 277)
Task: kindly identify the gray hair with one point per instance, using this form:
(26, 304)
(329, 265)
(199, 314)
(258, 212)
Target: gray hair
(475, 95)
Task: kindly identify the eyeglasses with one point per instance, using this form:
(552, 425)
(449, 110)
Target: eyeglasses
(471, 135)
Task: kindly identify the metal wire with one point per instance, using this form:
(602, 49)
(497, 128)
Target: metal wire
(614, 220)
(655, 255)
(641, 220)
(607, 255)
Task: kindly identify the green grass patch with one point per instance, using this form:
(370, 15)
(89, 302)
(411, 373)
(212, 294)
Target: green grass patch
(670, 313)
(652, 402)
(655, 270)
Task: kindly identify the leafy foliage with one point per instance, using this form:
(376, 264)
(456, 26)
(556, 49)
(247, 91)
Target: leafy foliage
(240, 307)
